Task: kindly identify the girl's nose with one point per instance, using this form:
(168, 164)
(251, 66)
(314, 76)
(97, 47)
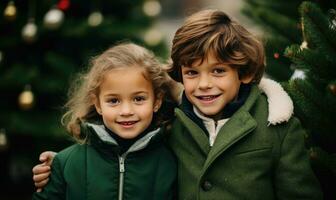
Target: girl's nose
(126, 109)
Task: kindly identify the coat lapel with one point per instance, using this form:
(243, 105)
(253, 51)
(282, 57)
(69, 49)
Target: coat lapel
(240, 125)
(196, 132)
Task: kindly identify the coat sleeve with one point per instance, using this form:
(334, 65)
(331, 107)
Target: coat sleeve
(294, 178)
(55, 189)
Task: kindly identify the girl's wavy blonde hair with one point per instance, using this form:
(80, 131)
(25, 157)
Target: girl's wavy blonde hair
(80, 106)
(213, 31)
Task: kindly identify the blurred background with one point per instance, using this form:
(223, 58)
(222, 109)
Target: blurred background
(43, 44)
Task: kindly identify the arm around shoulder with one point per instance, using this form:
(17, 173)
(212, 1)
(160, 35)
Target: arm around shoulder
(294, 177)
(55, 189)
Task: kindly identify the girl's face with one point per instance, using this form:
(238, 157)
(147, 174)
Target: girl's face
(126, 101)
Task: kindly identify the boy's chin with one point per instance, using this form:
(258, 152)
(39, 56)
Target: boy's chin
(211, 113)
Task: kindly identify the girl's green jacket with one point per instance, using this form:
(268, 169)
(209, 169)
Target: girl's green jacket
(95, 171)
(251, 159)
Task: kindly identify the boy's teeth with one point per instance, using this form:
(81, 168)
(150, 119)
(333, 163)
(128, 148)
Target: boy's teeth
(207, 97)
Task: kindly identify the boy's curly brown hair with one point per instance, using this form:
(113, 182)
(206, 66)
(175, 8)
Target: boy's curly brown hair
(213, 31)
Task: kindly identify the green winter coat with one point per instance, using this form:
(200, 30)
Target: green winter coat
(96, 171)
(250, 159)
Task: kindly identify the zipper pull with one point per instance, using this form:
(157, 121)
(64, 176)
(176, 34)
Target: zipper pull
(121, 164)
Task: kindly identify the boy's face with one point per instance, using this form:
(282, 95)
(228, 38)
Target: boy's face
(211, 85)
(126, 101)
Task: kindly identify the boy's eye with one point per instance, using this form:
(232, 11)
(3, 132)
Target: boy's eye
(218, 71)
(139, 99)
(190, 72)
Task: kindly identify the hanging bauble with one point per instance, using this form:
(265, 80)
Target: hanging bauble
(95, 19)
(10, 11)
(53, 18)
(332, 88)
(298, 74)
(332, 19)
(29, 31)
(304, 45)
(153, 37)
(313, 153)
(26, 98)
(1, 55)
(63, 4)
(3, 140)
(151, 8)
(276, 55)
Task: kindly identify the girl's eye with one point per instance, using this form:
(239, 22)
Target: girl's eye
(139, 99)
(218, 71)
(113, 101)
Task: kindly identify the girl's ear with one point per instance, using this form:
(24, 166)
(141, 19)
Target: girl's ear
(158, 103)
(95, 101)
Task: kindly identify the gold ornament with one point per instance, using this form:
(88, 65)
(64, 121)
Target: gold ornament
(153, 37)
(1, 56)
(26, 98)
(10, 11)
(332, 88)
(151, 8)
(304, 45)
(313, 154)
(3, 140)
(29, 31)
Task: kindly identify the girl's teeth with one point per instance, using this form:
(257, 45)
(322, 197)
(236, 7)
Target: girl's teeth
(127, 123)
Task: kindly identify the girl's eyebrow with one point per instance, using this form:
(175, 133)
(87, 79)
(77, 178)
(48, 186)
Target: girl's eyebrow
(134, 93)
(140, 92)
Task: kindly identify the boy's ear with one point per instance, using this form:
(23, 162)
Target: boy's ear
(247, 79)
(158, 103)
(95, 101)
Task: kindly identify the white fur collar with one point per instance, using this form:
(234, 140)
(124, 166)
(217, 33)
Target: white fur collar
(280, 105)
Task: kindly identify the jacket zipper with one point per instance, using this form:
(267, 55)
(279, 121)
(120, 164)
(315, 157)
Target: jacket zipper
(121, 175)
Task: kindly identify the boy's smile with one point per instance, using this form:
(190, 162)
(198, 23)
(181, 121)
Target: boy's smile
(210, 85)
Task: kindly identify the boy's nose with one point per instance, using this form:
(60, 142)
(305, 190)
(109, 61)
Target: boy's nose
(204, 82)
(126, 109)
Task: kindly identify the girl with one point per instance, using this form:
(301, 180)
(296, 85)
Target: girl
(114, 112)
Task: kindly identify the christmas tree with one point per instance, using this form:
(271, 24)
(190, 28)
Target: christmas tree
(281, 22)
(314, 96)
(42, 45)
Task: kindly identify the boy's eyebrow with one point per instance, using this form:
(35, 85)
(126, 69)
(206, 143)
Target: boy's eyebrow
(210, 64)
(217, 63)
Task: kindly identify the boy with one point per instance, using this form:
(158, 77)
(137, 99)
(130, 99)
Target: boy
(228, 143)
(225, 146)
